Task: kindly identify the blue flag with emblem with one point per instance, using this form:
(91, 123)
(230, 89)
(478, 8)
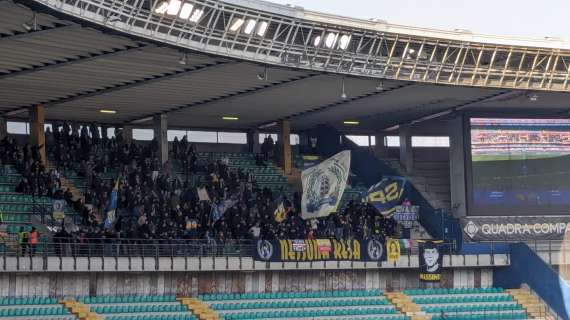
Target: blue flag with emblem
(112, 207)
(387, 194)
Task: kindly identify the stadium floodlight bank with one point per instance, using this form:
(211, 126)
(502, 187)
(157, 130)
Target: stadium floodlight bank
(288, 36)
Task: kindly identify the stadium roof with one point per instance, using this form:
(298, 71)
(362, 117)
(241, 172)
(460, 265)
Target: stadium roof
(76, 67)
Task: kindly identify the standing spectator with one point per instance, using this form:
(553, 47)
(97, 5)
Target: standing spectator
(33, 239)
(23, 240)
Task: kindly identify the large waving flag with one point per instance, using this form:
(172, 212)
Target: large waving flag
(387, 194)
(112, 207)
(323, 185)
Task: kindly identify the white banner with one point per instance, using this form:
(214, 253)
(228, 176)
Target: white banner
(323, 185)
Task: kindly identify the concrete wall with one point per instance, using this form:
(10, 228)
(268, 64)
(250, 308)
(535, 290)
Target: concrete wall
(62, 284)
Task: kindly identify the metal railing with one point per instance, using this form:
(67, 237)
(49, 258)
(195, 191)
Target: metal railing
(106, 247)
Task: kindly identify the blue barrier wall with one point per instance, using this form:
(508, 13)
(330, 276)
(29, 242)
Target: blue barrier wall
(527, 267)
(485, 248)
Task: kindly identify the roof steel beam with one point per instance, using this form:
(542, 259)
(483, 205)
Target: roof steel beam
(88, 57)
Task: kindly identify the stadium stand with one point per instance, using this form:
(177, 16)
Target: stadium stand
(33, 308)
(468, 303)
(439, 304)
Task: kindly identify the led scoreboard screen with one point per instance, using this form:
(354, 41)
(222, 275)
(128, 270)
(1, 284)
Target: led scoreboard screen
(519, 166)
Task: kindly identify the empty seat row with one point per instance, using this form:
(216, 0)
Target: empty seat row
(440, 291)
(27, 301)
(126, 299)
(308, 313)
(138, 308)
(498, 316)
(462, 299)
(300, 304)
(36, 311)
(472, 308)
(153, 317)
(290, 295)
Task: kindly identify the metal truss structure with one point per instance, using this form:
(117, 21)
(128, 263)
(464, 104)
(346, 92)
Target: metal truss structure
(286, 36)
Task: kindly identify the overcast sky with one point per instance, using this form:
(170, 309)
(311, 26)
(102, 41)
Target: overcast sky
(529, 18)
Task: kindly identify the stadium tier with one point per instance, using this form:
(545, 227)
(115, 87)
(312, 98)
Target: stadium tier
(457, 304)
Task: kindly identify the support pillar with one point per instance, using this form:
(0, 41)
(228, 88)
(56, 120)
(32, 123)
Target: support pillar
(381, 149)
(37, 132)
(457, 174)
(406, 152)
(161, 136)
(3, 128)
(127, 134)
(287, 158)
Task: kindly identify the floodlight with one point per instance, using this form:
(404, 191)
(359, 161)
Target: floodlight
(317, 41)
(250, 25)
(186, 11)
(262, 28)
(330, 40)
(236, 24)
(161, 8)
(196, 15)
(344, 41)
(174, 7)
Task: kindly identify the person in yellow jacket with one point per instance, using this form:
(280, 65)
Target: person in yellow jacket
(23, 240)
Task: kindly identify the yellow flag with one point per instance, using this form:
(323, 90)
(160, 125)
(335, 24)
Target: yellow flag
(280, 213)
(393, 247)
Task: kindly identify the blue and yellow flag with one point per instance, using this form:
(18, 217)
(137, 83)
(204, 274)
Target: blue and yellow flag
(387, 194)
(112, 207)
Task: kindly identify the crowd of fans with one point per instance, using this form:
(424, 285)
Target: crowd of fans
(188, 198)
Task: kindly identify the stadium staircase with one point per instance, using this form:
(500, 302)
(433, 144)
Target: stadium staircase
(430, 178)
(80, 310)
(405, 305)
(67, 183)
(200, 309)
(531, 303)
